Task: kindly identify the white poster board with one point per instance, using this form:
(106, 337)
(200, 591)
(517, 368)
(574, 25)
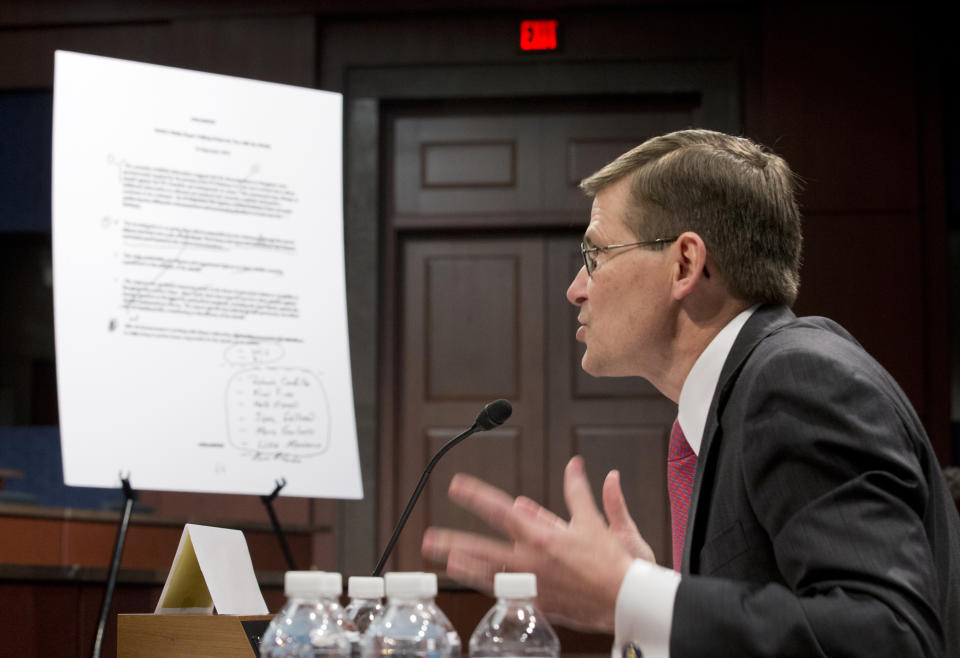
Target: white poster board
(199, 292)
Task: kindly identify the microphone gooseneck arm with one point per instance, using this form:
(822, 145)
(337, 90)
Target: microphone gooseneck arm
(416, 494)
(492, 415)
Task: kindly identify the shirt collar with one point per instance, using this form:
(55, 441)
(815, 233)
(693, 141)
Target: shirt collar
(701, 383)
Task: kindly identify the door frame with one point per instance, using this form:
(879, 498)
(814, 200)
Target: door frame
(370, 248)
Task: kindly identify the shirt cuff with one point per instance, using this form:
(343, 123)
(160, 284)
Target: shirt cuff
(644, 613)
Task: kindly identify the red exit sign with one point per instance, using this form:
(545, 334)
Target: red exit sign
(538, 35)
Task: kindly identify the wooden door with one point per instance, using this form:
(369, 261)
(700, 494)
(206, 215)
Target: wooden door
(472, 332)
(484, 224)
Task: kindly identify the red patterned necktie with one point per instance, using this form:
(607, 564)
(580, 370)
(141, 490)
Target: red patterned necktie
(681, 466)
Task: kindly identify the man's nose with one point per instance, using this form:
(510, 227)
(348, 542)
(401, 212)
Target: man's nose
(577, 292)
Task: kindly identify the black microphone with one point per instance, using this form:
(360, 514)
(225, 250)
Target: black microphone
(493, 414)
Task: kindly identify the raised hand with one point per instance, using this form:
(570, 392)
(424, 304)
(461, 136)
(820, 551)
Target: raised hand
(579, 564)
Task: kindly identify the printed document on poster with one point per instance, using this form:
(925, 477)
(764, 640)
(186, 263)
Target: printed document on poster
(199, 292)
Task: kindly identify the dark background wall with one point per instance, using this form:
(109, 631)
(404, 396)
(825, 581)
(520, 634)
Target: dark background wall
(854, 96)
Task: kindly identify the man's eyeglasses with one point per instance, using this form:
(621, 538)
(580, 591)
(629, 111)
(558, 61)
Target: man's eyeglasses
(590, 253)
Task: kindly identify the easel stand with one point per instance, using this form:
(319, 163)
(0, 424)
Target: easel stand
(277, 530)
(129, 496)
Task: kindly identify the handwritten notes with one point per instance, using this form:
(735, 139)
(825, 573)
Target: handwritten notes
(278, 414)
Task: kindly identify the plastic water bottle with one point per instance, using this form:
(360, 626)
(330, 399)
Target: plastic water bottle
(311, 622)
(365, 593)
(429, 591)
(514, 627)
(407, 628)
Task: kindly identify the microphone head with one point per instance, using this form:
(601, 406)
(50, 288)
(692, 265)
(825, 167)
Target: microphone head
(494, 414)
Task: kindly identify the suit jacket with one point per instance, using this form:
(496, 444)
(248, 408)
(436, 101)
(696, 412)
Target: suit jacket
(821, 524)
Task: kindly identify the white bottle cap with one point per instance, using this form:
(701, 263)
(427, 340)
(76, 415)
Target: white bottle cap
(365, 587)
(428, 583)
(404, 584)
(312, 583)
(515, 585)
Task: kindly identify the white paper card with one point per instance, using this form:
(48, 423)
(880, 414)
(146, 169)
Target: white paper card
(212, 569)
(199, 292)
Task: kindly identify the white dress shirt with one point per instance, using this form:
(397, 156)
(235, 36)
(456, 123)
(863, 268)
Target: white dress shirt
(644, 612)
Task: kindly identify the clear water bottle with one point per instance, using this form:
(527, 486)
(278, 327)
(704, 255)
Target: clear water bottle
(429, 585)
(311, 622)
(407, 628)
(365, 605)
(514, 627)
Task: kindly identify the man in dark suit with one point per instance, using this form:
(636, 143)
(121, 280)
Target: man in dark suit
(810, 517)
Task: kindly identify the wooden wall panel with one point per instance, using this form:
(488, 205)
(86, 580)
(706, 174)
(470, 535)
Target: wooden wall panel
(59, 617)
(30, 541)
(91, 544)
(263, 47)
(325, 557)
(277, 49)
(844, 110)
(877, 301)
(73, 542)
(225, 508)
(842, 106)
(41, 620)
(27, 55)
(145, 547)
(265, 552)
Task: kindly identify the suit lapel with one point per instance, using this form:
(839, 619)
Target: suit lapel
(761, 324)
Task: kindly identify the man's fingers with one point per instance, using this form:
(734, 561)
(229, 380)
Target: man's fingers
(576, 491)
(532, 526)
(470, 558)
(614, 504)
(621, 523)
(439, 543)
(472, 571)
(542, 514)
(486, 501)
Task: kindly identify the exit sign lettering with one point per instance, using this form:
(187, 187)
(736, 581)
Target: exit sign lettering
(538, 35)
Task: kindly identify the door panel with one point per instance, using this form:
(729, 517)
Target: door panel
(480, 336)
(462, 166)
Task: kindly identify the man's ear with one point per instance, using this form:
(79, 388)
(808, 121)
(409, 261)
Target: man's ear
(690, 268)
